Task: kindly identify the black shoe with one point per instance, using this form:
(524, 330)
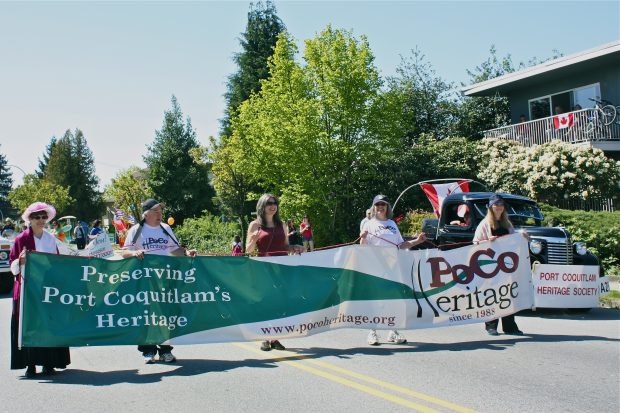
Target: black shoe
(516, 332)
(276, 345)
(265, 346)
(31, 371)
(492, 332)
(48, 371)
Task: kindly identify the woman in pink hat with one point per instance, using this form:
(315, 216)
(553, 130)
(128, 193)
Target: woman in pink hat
(35, 238)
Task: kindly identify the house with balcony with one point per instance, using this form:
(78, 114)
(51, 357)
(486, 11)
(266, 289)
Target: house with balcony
(557, 99)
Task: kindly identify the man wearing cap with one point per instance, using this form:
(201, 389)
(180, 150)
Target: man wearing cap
(152, 236)
(381, 231)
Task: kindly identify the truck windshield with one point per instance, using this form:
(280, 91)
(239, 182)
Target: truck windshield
(520, 213)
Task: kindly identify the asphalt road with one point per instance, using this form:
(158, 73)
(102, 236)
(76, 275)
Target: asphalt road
(565, 363)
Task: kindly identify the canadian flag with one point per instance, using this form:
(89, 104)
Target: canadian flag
(436, 193)
(563, 121)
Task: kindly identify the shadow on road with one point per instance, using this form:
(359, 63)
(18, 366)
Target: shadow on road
(184, 368)
(194, 367)
(499, 343)
(573, 314)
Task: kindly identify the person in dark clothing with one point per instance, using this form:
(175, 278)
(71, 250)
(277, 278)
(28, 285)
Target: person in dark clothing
(293, 235)
(79, 235)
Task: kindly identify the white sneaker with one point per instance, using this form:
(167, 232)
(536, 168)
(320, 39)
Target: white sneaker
(149, 358)
(394, 337)
(373, 339)
(167, 358)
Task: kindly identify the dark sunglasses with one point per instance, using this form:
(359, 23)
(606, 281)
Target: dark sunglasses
(272, 202)
(380, 204)
(35, 217)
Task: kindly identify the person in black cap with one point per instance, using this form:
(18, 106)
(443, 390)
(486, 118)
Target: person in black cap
(497, 224)
(152, 236)
(381, 231)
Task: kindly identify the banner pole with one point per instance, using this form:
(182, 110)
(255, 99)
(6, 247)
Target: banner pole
(21, 306)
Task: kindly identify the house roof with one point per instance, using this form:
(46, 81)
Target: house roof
(607, 54)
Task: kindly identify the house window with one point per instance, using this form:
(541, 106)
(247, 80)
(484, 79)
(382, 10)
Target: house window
(582, 95)
(540, 108)
(565, 101)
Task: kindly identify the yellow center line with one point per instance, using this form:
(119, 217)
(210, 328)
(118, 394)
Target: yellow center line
(362, 387)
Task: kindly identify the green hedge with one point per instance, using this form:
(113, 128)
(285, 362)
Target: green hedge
(599, 230)
(412, 221)
(207, 234)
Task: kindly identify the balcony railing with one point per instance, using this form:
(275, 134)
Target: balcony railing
(586, 125)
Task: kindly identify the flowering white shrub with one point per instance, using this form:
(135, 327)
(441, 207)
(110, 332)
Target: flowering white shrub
(548, 172)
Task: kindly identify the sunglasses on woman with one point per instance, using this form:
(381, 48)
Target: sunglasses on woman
(272, 203)
(36, 217)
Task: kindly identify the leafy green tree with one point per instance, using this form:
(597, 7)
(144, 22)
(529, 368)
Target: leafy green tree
(174, 176)
(44, 160)
(71, 165)
(478, 114)
(37, 189)
(428, 159)
(427, 102)
(257, 43)
(6, 182)
(128, 189)
(231, 181)
(312, 131)
(207, 234)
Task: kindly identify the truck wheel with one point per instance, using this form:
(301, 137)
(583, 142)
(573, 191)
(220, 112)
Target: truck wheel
(6, 283)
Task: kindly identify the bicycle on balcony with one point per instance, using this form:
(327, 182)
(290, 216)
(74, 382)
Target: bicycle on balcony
(604, 110)
(604, 114)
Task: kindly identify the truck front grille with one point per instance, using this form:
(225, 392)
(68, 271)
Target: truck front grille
(560, 253)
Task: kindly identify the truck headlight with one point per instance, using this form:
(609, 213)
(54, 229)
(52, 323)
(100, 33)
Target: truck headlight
(536, 246)
(4, 255)
(580, 248)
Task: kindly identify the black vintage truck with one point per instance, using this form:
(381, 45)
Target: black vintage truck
(548, 245)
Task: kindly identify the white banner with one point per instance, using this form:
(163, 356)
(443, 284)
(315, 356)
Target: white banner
(567, 286)
(438, 288)
(99, 247)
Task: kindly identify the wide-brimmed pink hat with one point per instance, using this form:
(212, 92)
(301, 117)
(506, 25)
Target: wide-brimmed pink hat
(36, 207)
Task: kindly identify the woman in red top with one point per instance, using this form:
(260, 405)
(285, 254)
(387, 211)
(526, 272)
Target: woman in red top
(268, 234)
(306, 234)
(236, 247)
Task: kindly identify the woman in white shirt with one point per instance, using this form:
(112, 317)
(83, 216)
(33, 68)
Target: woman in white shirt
(380, 230)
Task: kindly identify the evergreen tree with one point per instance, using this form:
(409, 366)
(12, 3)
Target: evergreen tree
(257, 42)
(40, 172)
(6, 182)
(71, 164)
(174, 176)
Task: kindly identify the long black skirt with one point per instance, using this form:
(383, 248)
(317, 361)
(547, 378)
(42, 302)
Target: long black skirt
(56, 357)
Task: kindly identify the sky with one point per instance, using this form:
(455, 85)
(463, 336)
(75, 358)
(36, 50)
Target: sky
(111, 68)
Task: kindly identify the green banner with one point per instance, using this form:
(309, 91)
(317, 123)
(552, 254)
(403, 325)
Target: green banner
(78, 301)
